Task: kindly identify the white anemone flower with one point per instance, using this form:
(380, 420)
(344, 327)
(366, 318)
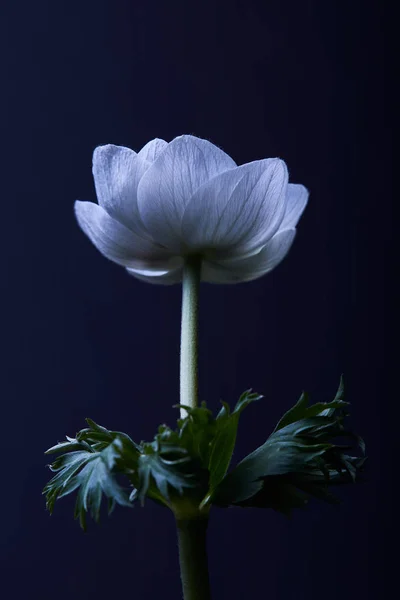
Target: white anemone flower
(171, 201)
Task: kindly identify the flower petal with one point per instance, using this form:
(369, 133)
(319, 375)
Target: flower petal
(238, 210)
(117, 171)
(164, 277)
(152, 150)
(296, 201)
(239, 270)
(166, 188)
(115, 241)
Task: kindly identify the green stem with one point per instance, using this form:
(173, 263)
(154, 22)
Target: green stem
(189, 333)
(193, 558)
(192, 526)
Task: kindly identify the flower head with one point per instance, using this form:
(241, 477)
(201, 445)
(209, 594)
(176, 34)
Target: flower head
(169, 201)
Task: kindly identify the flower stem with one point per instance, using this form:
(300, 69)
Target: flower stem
(189, 333)
(193, 558)
(191, 523)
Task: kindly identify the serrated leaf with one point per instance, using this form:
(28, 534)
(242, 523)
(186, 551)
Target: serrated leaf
(89, 466)
(224, 412)
(197, 432)
(98, 437)
(295, 413)
(222, 450)
(245, 399)
(340, 392)
(91, 473)
(225, 437)
(158, 476)
(98, 428)
(301, 410)
(299, 460)
(275, 457)
(70, 445)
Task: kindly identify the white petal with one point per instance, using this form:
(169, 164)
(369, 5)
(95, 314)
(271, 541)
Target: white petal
(152, 150)
(115, 241)
(296, 201)
(165, 277)
(239, 270)
(238, 210)
(117, 171)
(168, 185)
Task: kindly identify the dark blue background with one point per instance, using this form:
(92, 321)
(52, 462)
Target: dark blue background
(304, 81)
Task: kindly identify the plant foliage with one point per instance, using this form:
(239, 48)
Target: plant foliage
(300, 459)
(188, 466)
(89, 465)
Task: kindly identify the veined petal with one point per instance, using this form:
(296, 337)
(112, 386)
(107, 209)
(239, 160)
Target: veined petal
(296, 201)
(239, 270)
(117, 171)
(238, 210)
(164, 277)
(166, 188)
(117, 242)
(152, 150)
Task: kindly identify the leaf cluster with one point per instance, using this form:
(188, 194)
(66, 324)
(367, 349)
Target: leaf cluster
(179, 465)
(89, 464)
(301, 459)
(212, 439)
(186, 468)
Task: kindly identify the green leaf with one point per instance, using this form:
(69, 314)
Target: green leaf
(245, 399)
(91, 472)
(295, 413)
(196, 433)
(277, 456)
(186, 468)
(222, 450)
(89, 466)
(299, 460)
(279, 494)
(225, 437)
(301, 410)
(160, 474)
